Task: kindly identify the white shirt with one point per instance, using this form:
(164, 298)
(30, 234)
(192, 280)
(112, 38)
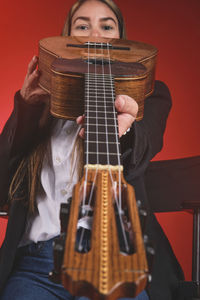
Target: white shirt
(58, 176)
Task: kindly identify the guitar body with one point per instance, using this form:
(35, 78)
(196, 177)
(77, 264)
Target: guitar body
(67, 83)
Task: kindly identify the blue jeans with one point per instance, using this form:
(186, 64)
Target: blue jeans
(29, 279)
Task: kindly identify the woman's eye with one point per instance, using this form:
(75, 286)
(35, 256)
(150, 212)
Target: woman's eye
(107, 27)
(82, 27)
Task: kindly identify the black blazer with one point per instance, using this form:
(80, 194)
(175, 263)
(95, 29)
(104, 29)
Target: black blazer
(138, 147)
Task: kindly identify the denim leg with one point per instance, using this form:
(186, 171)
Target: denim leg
(142, 296)
(29, 288)
(29, 279)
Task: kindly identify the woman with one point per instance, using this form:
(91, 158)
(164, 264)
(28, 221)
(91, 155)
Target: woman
(38, 171)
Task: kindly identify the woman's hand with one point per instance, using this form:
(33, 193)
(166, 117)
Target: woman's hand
(127, 109)
(30, 91)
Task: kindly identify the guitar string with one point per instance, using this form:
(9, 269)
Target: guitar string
(86, 160)
(118, 199)
(96, 171)
(104, 99)
(87, 137)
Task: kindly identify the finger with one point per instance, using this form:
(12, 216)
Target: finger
(32, 65)
(82, 133)
(126, 104)
(33, 78)
(124, 122)
(31, 81)
(29, 85)
(80, 120)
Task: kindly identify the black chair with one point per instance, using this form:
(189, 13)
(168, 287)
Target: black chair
(174, 185)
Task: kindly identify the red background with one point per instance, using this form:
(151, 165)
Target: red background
(172, 26)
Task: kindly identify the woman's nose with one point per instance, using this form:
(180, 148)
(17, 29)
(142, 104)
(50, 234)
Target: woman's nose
(95, 33)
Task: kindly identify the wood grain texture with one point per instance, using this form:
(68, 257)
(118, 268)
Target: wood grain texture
(66, 92)
(104, 272)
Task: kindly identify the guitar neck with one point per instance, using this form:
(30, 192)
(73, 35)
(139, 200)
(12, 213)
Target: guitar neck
(101, 127)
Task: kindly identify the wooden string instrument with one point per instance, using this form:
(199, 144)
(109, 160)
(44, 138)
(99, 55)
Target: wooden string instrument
(104, 259)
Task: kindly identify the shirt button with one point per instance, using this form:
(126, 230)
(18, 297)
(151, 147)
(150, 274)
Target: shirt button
(58, 160)
(63, 192)
(68, 131)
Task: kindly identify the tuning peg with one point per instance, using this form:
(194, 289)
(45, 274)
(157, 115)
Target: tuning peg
(143, 219)
(64, 215)
(143, 215)
(139, 203)
(150, 252)
(58, 253)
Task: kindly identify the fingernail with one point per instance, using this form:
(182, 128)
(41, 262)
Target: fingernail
(34, 58)
(36, 72)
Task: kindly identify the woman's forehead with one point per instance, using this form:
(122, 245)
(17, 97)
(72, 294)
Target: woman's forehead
(94, 8)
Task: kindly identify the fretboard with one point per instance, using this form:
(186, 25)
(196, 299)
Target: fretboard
(101, 127)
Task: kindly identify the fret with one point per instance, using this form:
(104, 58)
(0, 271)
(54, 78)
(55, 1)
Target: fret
(103, 111)
(101, 125)
(100, 104)
(98, 99)
(108, 105)
(100, 128)
(94, 93)
(103, 159)
(103, 84)
(99, 142)
(101, 120)
(95, 87)
(98, 89)
(102, 132)
(99, 96)
(109, 115)
(103, 153)
(99, 86)
(100, 83)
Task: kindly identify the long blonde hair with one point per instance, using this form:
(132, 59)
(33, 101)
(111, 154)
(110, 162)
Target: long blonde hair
(29, 169)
